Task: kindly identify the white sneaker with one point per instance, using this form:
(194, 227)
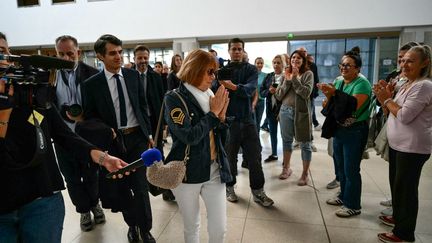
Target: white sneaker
(333, 184)
(345, 212)
(387, 212)
(386, 203)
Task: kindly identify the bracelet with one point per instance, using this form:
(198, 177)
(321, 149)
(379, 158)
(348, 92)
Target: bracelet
(4, 123)
(387, 101)
(102, 158)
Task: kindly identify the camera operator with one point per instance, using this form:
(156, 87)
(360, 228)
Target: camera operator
(81, 177)
(32, 207)
(242, 132)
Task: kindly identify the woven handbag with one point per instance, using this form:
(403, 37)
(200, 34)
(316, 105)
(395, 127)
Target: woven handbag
(170, 175)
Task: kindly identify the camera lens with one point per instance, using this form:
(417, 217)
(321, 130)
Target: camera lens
(75, 110)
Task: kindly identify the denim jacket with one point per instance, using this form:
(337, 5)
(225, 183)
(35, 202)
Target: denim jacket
(194, 132)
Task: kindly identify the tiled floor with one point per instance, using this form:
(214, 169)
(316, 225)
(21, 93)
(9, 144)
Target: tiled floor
(300, 214)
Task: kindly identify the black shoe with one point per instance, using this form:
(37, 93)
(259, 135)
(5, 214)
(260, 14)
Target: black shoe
(132, 234)
(147, 237)
(245, 164)
(168, 196)
(271, 158)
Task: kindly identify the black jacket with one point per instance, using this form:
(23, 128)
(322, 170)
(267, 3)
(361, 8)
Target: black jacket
(271, 109)
(98, 104)
(21, 186)
(155, 95)
(196, 134)
(340, 107)
(246, 79)
(173, 81)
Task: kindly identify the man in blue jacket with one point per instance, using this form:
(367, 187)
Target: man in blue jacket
(242, 132)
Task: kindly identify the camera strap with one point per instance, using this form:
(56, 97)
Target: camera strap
(64, 78)
(40, 150)
(41, 144)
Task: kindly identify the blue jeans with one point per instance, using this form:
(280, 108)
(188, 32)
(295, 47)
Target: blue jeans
(348, 146)
(40, 221)
(286, 118)
(259, 110)
(273, 127)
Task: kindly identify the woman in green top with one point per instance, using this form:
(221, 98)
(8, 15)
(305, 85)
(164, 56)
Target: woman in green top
(350, 140)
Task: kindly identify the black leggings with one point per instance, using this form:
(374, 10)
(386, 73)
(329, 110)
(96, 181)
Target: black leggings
(404, 175)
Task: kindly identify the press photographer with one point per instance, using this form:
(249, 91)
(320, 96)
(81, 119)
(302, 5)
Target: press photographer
(80, 176)
(32, 207)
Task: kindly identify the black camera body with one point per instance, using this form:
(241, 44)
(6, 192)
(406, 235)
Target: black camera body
(227, 72)
(31, 87)
(30, 77)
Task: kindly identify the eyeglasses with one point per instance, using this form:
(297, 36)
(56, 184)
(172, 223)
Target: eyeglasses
(346, 66)
(211, 72)
(236, 49)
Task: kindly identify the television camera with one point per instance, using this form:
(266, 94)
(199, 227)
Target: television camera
(31, 77)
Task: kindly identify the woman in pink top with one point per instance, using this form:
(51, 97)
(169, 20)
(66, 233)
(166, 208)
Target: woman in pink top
(409, 132)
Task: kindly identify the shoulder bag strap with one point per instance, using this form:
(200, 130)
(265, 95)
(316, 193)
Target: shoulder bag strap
(187, 150)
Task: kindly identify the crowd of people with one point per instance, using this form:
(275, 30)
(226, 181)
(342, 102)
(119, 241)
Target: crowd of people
(212, 111)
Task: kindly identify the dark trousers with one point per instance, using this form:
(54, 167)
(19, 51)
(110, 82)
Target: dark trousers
(244, 134)
(81, 180)
(314, 120)
(138, 211)
(273, 127)
(259, 110)
(404, 174)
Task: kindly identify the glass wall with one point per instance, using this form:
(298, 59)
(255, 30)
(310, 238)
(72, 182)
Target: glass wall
(266, 50)
(387, 56)
(328, 53)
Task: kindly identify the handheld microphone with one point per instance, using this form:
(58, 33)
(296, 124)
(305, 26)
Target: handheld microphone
(148, 158)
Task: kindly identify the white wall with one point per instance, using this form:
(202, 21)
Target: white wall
(157, 20)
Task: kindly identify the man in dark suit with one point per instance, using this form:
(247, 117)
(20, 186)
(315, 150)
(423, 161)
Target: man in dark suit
(81, 178)
(116, 97)
(154, 94)
(153, 89)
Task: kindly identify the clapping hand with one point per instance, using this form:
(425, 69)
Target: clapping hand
(327, 89)
(383, 90)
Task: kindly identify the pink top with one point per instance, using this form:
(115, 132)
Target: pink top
(411, 130)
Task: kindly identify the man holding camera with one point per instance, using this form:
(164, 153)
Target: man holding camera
(242, 132)
(80, 176)
(115, 96)
(32, 207)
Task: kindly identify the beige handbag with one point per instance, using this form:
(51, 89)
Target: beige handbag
(170, 175)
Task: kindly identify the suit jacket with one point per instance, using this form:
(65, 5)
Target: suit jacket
(98, 103)
(155, 95)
